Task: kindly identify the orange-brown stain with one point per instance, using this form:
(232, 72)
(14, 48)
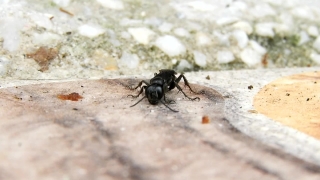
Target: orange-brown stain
(43, 56)
(72, 97)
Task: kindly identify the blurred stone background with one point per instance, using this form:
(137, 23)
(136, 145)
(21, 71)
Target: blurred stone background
(95, 38)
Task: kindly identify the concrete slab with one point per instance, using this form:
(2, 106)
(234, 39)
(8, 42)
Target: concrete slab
(100, 136)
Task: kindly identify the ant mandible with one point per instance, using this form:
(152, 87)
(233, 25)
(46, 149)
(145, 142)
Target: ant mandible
(160, 84)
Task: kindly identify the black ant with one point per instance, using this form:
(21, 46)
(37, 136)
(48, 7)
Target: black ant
(161, 83)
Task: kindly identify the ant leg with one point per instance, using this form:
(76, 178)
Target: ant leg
(139, 85)
(196, 98)
(185, 82)
(141, 90)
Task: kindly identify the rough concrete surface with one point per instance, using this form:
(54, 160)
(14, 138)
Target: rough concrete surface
(101, 137)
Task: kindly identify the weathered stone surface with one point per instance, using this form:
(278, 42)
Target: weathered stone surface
(101, 137)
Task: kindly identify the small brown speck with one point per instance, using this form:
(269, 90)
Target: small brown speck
(308, 99)
(65, 11)
(265, 60)
(287, 94)
(208, 77)
(253, 111)
(205, 120)
(250, 87)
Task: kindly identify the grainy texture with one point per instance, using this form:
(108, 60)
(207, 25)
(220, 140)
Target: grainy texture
(101, 137)
(293, 101)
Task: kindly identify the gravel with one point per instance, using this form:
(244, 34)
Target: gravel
(208, 35)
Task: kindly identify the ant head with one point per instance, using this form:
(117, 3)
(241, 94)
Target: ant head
(154, 93)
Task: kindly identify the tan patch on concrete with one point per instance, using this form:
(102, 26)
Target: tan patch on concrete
(293, 101)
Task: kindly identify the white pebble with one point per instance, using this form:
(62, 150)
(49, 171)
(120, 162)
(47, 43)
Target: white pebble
(129, 60)
(62, 3)
(165, 27)
(200, 58)
(250, 57)
(239, 5)
(265, 29)
(130, 22)
(244, 26)
(10, 32)
(262, 10)
(226, 20)
(90, 31)
(181, 32)
(174, 61)
(282, 29)
(257, 47)
(222, 38)
(170, 45)
(202, 39)
(202, 6)
(303, 12)
(313, 31)
(42, 20)
(304, 37)
(141, 34)
(225, 56)
(45, 39)
(3, 65)
(315, 57)
(241, 38)
(125, 35)
(184, 64)
(316, 44)
(112, 4)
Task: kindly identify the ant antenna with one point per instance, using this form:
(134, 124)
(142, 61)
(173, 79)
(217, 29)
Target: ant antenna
(138, 101)
(168, 107)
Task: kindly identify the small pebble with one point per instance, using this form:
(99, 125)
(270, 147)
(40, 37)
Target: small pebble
(112, 4)
(244, 26)
(265, 29)
(90, 31)
(303, 12)
(183, 65)
(313, 31)
(241, 38)
(181, 32)
(10, 32)
(165, 27)
(250, 57)
(141, 34)
(3, 65)
(316, 44)
(170, 45)
(200, 59)
(257, 47)
(225, 56)
(129, 60)
(202, 6)
(304, 38)
(203, 39)
(315, 57)
(46, 39)
(226, 20)
(62, 3)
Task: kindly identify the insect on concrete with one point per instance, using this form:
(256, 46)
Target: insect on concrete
(159, 85)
